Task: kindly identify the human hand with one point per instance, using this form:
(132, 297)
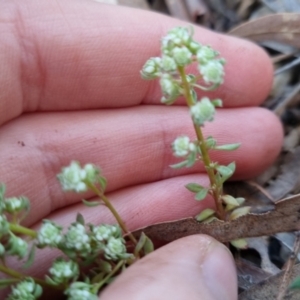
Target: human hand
(70, 89)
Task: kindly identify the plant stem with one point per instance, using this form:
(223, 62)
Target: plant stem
(216, 190)
(15, 228)
(20, 276)
(113, 272)
(113, 211)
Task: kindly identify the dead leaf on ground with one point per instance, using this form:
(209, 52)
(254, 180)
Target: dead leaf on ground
(285, 217)
(289, 179)
(268, 289)
(284, 28)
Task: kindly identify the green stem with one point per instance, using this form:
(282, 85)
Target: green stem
(113, 211)
(112, 273)
(20, 276)
(216, 190)
(15, 228)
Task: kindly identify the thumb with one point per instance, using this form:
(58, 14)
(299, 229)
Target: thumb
(194, 267)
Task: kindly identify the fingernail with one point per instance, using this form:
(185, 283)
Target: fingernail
(219, 273)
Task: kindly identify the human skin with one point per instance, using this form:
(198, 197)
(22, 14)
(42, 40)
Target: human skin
(70, 89)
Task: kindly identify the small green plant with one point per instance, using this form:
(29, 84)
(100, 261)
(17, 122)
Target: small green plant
(93, 255)
(179, 50)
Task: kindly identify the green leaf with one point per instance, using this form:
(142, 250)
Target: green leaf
(201, 194)
(194, 187)
(30, 258)
(295, 284)
(7, 282)
(148, 246)
(239, 212)
(91, 203)
(194, 96)
(103, 183)
(228, 147)
(205, 214)
(239, 244)
(179, 165)
(230, 200)
(80, 219)
(191, 159)
(226, 171)
(217, 103)
(140, 244)
(2, 191)
(105, 266)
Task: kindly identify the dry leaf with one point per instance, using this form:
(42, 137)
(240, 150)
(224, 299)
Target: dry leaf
(285, 217)
(289, 180)
(268, 289)
(284, 28)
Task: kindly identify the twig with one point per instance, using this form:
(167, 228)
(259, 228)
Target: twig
(289, 267)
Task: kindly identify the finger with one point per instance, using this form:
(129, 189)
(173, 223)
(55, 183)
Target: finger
(132, 146)
(71, 55)
(196, 267)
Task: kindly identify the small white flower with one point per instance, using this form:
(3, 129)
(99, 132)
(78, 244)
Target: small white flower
(77, 239)
(49, 234)
(151, 69)
(181, 146)
(115, 248)
(212, 71)
(182, 55)
(202, 111)
(62, 270)
(206, 54)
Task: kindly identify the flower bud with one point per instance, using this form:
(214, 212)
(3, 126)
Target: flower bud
(151, 68)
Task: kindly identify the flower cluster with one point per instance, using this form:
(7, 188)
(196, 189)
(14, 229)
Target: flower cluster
(109, 239)
(81, 290)
(182, 146)
(63, 271)
(50, 234)
(26, 290)
(179, 50)
(75, 178)
(77, 241)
